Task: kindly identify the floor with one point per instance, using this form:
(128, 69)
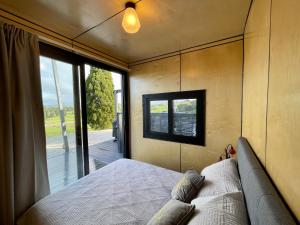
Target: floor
(62, 165)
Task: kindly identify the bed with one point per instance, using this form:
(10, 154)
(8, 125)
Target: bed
(130, 192)
(123, 192)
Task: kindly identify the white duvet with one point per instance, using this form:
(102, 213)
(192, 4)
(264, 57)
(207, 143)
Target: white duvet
(226, 209)
(123, 192)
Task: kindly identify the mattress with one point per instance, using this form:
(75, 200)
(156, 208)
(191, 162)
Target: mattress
(123, 192)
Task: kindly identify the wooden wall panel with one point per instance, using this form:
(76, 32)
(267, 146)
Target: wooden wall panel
(154, 77)
(219, 71)
(271, 111)
(256, 72)
(283, 134)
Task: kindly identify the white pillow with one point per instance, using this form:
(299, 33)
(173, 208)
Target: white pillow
(220, 178)
(227, 209)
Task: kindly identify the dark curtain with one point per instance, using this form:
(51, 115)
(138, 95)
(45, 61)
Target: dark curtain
(23, 165)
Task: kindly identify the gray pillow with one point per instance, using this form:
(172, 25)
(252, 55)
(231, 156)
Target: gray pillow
(188, 186)
(173, 212)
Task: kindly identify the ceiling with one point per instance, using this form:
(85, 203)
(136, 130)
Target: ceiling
(166, 25)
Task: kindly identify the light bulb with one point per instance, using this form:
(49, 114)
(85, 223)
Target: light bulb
(131, 22)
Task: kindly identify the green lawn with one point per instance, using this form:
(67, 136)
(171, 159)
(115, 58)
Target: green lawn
(53, 128)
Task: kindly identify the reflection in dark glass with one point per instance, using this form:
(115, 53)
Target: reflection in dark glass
(59, 119)
(159, 116)
(185, 117)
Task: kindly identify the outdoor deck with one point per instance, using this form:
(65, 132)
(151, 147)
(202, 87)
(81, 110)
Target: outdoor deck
(62, 165)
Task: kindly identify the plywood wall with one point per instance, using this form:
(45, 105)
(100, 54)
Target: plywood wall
(277, 109)
(218, 70)
(283, 132)
(256, 72)
(155, 77)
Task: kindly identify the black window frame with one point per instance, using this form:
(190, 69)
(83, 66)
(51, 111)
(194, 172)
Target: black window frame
(199, 95)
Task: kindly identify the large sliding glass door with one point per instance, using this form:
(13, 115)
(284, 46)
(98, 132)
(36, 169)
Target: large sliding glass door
(84, 116)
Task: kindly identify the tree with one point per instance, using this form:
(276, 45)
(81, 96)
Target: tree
(187, 106)
(100, 99)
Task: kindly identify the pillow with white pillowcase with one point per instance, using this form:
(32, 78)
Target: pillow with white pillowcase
(226, 209)
(221, 177)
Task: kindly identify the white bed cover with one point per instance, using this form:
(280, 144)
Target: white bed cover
(123, 192)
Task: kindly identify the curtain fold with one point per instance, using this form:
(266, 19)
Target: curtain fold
(23, 165)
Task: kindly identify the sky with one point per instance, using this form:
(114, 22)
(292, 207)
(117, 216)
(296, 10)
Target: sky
(65, 77)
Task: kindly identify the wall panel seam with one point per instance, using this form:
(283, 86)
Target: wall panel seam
(249, 11)
(242, 96)
(268, 84)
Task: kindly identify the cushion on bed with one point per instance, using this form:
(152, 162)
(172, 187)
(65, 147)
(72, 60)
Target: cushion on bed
(220, 178)
(226, 209)
(173, 212)
(188, 186)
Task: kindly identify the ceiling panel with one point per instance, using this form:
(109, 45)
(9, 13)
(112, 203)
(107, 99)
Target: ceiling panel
(169, 25)
(66, 17)
(166, 25)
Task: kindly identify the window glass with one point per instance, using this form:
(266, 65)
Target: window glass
(58, 102)
(175, 116)
(184, 117)
(159, 116)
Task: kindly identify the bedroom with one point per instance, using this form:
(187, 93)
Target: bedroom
(192, 78)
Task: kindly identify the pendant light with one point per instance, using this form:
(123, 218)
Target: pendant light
(131, 23)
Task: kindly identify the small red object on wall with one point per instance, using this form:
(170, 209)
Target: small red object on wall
(229, 151)
(232, 151)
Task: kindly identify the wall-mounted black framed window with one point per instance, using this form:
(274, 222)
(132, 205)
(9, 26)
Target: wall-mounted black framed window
(175, 116)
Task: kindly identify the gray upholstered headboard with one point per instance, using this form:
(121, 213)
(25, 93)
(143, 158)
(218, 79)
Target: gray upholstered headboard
(263, 202)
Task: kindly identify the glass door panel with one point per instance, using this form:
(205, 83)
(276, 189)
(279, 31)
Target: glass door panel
(59, 112)
(104, 105)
